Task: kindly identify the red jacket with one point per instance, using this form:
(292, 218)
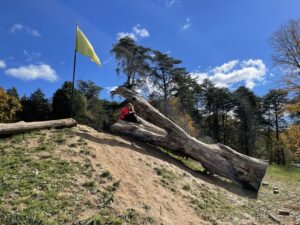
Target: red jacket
(124, 112)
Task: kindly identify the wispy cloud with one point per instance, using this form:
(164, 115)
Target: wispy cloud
(138, 32)
(2, 64)
(17, 27)
(187, 24)
(171, 3)
(32, 56)
(107, 60)
(248, 72)
(33, 72)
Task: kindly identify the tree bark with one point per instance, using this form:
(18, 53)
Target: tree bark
(216, 158)
(22, 127)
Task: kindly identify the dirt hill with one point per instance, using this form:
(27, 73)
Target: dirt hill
(81, 176)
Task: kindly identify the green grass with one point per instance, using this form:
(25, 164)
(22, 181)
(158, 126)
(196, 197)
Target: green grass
(192, 164)
(166, 174)
(287, 173)
(106, 174)
(38, 186)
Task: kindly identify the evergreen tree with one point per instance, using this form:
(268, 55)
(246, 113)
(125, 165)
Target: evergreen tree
(36, 107)
(274, 103)
(164, 70)
(132, 61)
(61, 102)
(246, 107)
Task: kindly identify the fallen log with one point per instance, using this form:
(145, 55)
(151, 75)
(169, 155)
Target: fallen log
(22, 127)
(216, 158)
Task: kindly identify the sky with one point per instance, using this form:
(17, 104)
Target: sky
(224, 41)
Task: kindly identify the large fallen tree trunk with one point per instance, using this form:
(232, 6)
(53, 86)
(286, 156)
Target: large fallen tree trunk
(216, 158)
(22, 127)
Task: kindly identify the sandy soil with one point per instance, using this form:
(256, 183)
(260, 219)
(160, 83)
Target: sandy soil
(133, 163)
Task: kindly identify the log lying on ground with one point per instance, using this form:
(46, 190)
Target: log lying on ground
(216, 158)
(22, 127)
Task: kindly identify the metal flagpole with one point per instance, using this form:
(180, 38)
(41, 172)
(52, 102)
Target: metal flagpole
(74, 68)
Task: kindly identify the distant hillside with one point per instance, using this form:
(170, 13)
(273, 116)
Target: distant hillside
(79, 176)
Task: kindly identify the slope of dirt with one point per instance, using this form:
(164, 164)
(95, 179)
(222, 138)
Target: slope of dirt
(116, 180)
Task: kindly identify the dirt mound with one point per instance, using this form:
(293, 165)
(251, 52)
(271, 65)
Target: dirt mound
(87, 175)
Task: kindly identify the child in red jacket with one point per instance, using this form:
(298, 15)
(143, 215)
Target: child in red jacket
(128, 114)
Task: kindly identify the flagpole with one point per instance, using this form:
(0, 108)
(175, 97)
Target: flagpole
(74, 69)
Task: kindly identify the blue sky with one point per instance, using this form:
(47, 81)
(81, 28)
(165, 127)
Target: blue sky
(225, 41)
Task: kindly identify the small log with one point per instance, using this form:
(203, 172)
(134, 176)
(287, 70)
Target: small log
(283, 212)
(22, 127)
(274, 218)
(216, 158)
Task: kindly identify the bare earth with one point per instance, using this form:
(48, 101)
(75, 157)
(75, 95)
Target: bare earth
(140, 186)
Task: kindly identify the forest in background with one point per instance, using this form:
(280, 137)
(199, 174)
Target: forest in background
(266, 127)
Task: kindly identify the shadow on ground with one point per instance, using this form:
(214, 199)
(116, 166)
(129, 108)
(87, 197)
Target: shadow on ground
(153, 151)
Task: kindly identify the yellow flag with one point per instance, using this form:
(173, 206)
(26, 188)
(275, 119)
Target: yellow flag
(84, 47)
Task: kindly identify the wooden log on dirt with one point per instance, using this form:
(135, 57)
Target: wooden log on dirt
(216, 158)
(22, 127)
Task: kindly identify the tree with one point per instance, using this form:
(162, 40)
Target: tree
(13, 92)
(61, 102)
(132, 61)
(286, 46)
(274, 104)
(291, 139)
(88, 89)
(246, 107)
(9, 106)
(36, 107)
(164, 70)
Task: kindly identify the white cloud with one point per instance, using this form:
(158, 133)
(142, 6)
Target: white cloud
(225, 67)
(17, 27)
(125, 34)
(137, 32)
(140, 31)
(33, 72)
(109, 89)
(248, 72)
(2, 64)
(187, 24)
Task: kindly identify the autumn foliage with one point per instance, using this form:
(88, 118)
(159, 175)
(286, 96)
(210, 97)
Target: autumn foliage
(9, 106)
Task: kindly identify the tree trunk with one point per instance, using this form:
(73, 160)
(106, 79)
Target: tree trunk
(22, 127)
(216, 158)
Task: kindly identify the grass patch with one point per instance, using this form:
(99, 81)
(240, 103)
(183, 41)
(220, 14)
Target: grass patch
(106, 174)
(168, 178)
(111, 217)
(39, 187)
(192, 164)
(287, 173)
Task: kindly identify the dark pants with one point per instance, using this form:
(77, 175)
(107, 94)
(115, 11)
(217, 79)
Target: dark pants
(131, 117)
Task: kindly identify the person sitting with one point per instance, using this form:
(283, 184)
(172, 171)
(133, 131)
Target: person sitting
(128, 114)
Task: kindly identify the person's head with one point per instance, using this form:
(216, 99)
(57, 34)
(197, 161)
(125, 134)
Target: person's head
(130, 106)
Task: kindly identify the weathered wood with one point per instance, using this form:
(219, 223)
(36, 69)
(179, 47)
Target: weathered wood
(216, 158)
(22, 127)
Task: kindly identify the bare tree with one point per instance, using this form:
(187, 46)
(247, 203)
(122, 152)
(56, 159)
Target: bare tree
(286, 46)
